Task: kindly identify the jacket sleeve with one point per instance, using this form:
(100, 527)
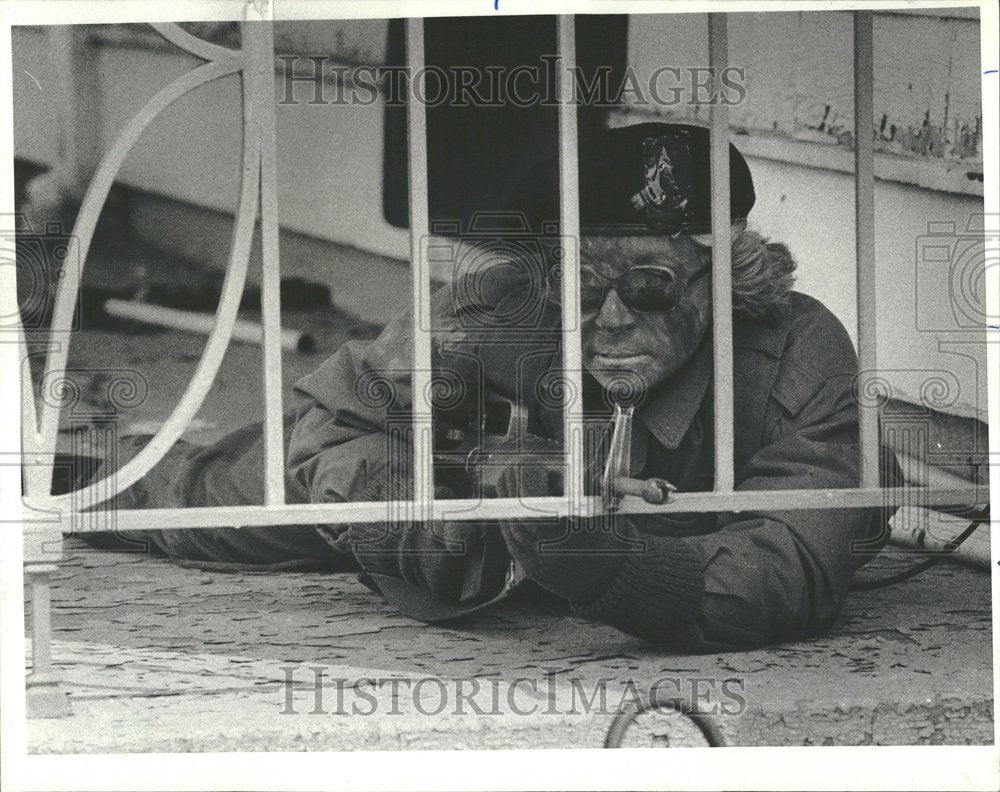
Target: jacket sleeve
(341, 414)
(351, 443)
(763, 576)
(347, 408)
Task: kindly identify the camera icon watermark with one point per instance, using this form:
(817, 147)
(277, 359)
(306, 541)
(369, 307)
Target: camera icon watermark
(502, 273)
(41, 259)
(951, 275)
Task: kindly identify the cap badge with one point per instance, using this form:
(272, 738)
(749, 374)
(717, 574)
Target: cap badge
(663, 202)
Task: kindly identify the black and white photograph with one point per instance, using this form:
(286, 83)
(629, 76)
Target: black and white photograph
(388, 379)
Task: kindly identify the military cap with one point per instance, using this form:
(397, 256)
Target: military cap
(646, 179)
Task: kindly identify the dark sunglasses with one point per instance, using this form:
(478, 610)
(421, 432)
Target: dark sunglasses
(643, 288)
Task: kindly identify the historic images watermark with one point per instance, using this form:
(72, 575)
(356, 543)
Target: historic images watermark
(318, 690)
(323, 81)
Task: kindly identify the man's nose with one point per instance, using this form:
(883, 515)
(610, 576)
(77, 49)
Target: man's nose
(614, 314)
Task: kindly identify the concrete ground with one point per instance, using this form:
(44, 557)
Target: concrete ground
(160, 658)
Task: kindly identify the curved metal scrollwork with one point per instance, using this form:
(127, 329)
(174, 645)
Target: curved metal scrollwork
(221, 62)
(200, 48)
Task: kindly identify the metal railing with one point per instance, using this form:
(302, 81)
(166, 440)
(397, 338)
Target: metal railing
(258, 193)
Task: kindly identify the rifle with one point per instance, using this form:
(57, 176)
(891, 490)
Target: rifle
(469, 460)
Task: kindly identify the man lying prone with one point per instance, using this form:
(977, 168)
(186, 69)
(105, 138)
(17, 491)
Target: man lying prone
(690, 582)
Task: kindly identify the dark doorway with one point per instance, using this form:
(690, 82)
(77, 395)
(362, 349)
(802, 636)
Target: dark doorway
(478, 154)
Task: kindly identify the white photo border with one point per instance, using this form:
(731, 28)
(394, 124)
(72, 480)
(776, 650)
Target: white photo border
(909, 768)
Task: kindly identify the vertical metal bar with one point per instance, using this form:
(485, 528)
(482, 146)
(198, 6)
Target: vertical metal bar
(864, 203)
(259, 89)
(416, 128)
(722, 276)
(569, 228)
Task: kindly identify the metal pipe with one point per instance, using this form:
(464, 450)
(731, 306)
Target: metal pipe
(864, 218)
(722, 277)
(204, 323)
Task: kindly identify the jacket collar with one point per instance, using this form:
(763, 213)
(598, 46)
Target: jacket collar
(669, 409)
(764, 335)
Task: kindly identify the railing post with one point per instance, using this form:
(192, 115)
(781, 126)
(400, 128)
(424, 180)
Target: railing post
(722, 274)
(45, 698)
(864, 219)
(42, 548)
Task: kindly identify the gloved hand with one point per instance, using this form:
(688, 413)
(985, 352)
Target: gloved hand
(430, 556)
(576, 559)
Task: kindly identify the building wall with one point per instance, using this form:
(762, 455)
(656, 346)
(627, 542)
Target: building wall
(794, 127)
(329, 157)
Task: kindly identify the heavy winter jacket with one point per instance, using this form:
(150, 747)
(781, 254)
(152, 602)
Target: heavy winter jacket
(701, 581)
(697, 583)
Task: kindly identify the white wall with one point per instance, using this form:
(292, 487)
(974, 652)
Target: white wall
(35, 96)
(812, 211)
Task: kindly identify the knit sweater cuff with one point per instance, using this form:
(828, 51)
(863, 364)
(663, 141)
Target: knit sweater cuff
(656, 596)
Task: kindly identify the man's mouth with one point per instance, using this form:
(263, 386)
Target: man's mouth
(617, 351)
(618, 354)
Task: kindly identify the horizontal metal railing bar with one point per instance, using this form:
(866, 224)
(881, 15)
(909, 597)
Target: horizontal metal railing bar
(527, 508)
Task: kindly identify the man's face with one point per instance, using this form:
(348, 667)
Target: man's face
(620, 341)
